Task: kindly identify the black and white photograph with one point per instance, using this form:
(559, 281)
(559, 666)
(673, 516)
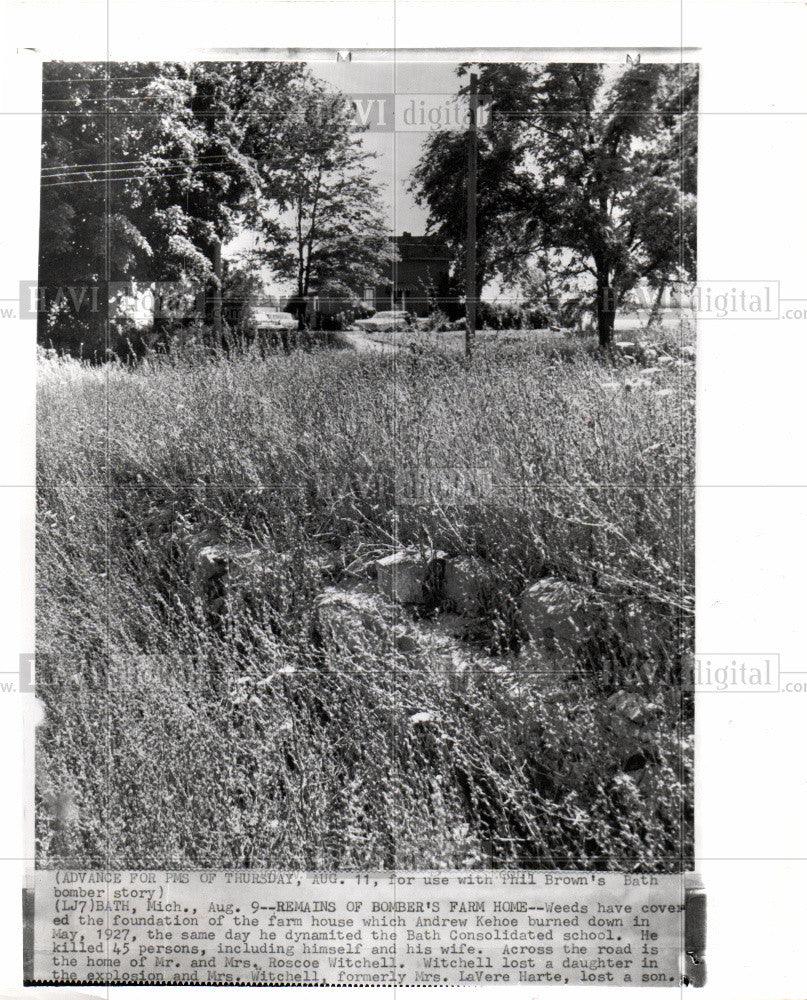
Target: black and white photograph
(366, 463)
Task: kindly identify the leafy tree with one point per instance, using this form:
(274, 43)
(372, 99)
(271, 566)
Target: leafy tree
(676, 158)
(503, 181)
(242, 286)
(144, 168)
(227, 115)
(319, 208)
(89, 229)
(609, 182)
(602, 173)
(550, 278)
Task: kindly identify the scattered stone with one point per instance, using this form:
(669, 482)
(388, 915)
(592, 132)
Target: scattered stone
(210, 564)
(640, 352)
(638, 383)
(629, 349)
(689, 351)
(464, 584)
(406, 643)
(553, 613)
(222, 576)
(632, 708)
(350, 620)
(410, 576)
(419, 718)
(188, 549)
(356, 619)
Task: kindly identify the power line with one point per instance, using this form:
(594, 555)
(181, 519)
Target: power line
(133, 164)
(121, 79)
(207, 160)
(137, 177)
(112, 79)
(127, 173)
(97, 100)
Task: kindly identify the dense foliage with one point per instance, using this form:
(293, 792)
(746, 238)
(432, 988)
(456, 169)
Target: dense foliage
(145, 171)
(591, 166)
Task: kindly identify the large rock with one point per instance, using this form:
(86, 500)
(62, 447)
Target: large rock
(628, 348)
(350, 620)
(634, 723)
(410, 576)
(356, 620)
(465, 582)
(553, 613)
(639, 351)
(224, 576)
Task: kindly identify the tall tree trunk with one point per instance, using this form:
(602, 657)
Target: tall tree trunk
(655, 312)
(606, 307)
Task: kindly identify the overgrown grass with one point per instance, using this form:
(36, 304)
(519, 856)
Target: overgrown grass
(174, 741)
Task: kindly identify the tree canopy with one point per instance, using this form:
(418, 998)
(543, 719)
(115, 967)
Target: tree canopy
(586, 164)
(318, 207)
(146, 166)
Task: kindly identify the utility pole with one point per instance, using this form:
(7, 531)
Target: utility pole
(217, 290)
(470, 237)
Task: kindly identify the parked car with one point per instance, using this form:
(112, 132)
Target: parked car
(393, 319)
(269, 320)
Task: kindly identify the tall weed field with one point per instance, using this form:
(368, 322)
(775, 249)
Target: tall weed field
(171, 741)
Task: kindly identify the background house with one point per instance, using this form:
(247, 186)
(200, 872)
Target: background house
(417, 280)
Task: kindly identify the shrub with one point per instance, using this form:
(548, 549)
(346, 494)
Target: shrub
(512, 316)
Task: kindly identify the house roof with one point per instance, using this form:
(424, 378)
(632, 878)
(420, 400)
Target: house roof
(420, 247)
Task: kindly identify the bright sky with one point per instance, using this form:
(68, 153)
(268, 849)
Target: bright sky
(398, 152)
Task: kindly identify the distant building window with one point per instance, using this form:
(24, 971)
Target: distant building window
(369, 295)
